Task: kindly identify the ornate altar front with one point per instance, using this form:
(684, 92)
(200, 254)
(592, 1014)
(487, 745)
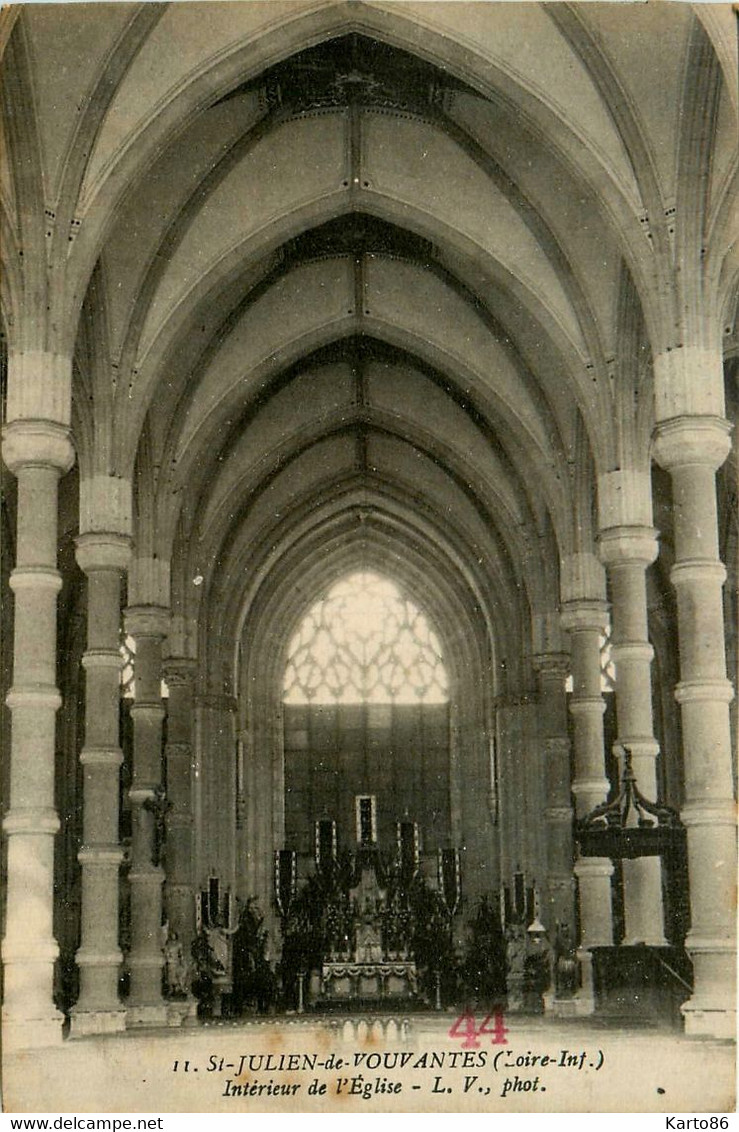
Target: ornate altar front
(391, 980)
(373, 970)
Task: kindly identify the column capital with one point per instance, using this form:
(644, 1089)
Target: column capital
(717, 690)
(146, 621)
(37, 443)
(593, 867)
(700, 571)
(596, 788)
(685, 441)
(625, 651)
(623, 545)
(103, 550)
(180, 671)
(640, 746)
(584, 614)
(554, 664)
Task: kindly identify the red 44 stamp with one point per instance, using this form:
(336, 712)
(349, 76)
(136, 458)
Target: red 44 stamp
(493, 1026)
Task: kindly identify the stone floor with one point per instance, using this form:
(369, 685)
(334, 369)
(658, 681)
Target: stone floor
(305, 1063)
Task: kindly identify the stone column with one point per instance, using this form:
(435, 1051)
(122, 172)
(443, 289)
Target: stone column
(147, 624)
(104, 558)
(585, 620)
(179, 898)
(692, 448)
(626, 553)
(552, 669)
(37, 453)
(217, 717)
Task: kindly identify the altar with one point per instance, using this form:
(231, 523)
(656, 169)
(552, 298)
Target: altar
(366, 926)
(373, 970)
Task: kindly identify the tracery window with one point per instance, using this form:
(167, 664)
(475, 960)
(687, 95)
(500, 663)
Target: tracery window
(365, 642)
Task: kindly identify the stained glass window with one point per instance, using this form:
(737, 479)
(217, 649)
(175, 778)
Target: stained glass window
(364, 642)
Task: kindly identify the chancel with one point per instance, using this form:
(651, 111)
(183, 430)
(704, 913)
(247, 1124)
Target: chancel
(368, 501)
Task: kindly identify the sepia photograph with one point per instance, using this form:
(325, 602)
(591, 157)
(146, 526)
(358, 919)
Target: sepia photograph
(370, 543)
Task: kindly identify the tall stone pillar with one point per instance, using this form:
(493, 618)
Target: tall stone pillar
(37, 452)
(104, 558)
(218, 730)
(692, 443)
(585, 620)
(147, 624)
(626, 552)
(552, 669)
(179, 893)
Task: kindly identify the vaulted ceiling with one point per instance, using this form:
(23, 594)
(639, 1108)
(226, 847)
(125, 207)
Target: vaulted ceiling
(374, 273)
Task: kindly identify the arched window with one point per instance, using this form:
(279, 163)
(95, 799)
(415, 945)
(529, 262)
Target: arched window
(365, 642)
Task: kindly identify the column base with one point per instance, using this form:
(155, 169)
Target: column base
(84, 1022)
(180, 1011)
(583, 1001)
(567, 1007)
(583, 1005)
(147, 1016)
(32, 1033)
(708, 1021)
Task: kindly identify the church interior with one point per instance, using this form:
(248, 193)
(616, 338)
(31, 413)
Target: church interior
(369, 513)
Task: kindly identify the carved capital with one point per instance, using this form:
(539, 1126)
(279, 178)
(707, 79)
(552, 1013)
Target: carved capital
(147, 621)
(37, 443)
(623, 545)
(103, 550)
(702, 440)
(35, 578)
(584, 614)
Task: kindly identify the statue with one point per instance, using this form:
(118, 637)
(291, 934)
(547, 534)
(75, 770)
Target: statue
(515, 964)
(369, 903)
(565, 963)
(176, 969)
(538, 966)
(369, 931)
